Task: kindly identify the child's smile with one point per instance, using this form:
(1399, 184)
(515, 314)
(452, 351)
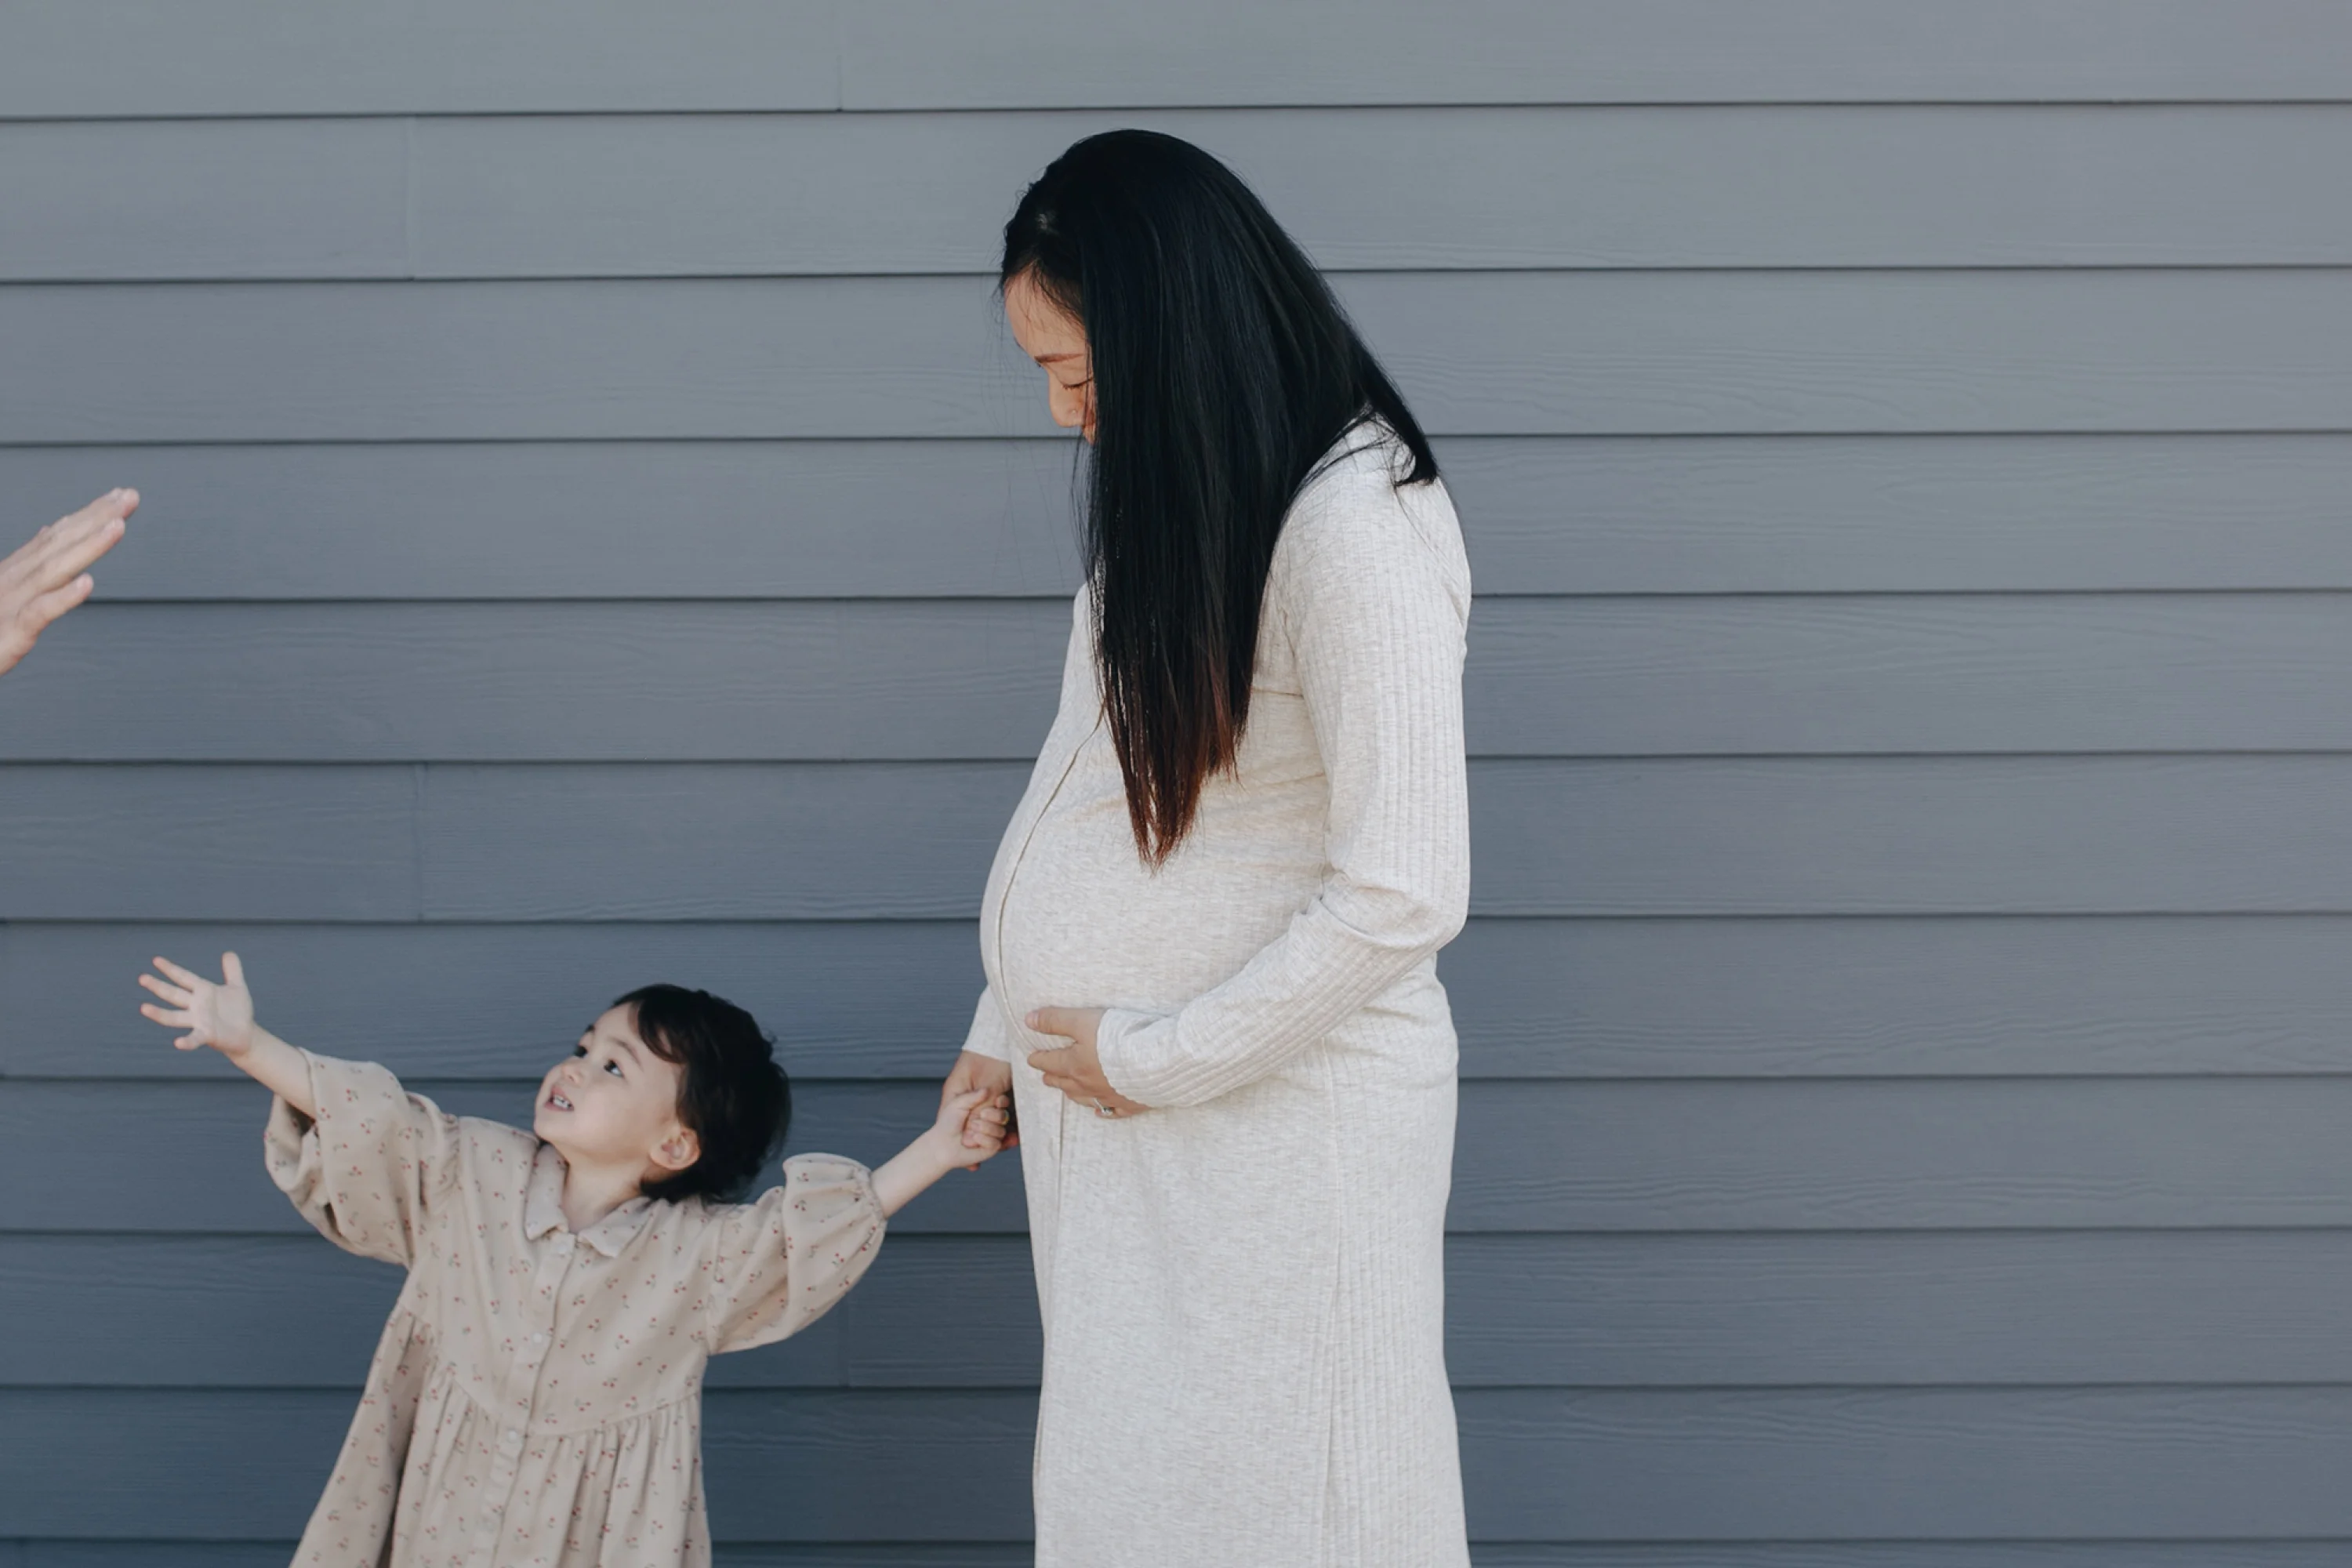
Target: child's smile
(612, 1103)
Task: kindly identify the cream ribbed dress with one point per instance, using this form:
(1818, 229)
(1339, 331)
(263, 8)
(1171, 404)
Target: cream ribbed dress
(1243, 1289)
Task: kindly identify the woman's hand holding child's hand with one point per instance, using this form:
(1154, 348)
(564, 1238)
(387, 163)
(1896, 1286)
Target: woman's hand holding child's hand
(970, 1128)
(219, 1016)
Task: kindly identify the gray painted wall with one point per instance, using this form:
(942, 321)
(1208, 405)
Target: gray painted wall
(597, 530)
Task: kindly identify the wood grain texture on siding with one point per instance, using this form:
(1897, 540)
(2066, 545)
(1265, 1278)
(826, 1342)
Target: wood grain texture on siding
(1932, 997)
(1813, 187)
(234, 198)
(977, 679)
(1948, 1309)
(1811, 513)
(293, 1311)
(962, 518)
(1029, 53)
(1703, 836)
(705, 841)
(1540, 1465)
(1477, 353)
(219, 843)
(728, 1554)
(59, 59)
(808, 680)
(200, 1167)
(850, 999)
(581, 520)
(1531, 1155)
(1912, 835)
(279, 57)
(2136, 1554)
(2239, 1554)
(794, 1467)
(694, 195)
(1872, 1464)
(1651, 998)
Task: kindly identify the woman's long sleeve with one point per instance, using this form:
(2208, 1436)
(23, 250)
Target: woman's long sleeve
(1376, 602)
(988, 1036)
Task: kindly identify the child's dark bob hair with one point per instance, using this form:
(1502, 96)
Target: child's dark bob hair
(731, 1092)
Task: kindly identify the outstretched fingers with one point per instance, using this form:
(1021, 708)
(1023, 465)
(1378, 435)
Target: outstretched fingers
(178, 997)
(187, 1042)
(187, 977)
(63, 551)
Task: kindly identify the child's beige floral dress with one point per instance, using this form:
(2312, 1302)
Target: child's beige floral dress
(536, 1396)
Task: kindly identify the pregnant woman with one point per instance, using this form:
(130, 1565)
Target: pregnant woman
(1210, 936)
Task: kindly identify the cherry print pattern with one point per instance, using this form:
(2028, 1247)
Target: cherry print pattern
(536, 1396)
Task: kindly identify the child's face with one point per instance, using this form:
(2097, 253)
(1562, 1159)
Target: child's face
(615, 1103)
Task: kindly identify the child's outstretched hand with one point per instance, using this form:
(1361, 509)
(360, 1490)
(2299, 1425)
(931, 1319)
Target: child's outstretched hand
(219, 1016)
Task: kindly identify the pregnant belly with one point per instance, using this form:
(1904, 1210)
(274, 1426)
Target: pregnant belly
(1085, 923)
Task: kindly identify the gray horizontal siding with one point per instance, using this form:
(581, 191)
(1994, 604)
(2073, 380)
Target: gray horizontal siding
(958, 518)
(1541, 1464)
(1590, 998)
(1873, 1464)
(644, 681)
(2237, 1553)
(2133, 1553)
(607, 534)
(1881, 185)
(217, 1182)
(1478, 353)
(539, 56)
(729, 1554)
(794, 1469)
(1705, 835)
(1882, 1309)
(1534, 1156)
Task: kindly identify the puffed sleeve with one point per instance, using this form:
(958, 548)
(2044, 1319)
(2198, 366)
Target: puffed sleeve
(784, 1258)
(1375, 596)
(369, 1169)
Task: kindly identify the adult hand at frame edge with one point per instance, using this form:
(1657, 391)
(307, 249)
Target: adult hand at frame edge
(50, 574)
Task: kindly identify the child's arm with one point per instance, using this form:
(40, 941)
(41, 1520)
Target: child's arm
(221, 1015)
(777, 1264)
(939, 1149)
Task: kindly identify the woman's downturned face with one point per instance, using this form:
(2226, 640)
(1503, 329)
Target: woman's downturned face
(1054, 339)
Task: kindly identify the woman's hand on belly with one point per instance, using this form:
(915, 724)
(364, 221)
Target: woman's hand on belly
(1077, 1069)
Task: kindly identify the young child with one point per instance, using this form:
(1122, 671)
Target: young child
(537, 1395)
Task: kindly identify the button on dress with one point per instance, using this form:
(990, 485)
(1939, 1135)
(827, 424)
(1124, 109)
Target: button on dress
(536, 1397)
(1243, 1288)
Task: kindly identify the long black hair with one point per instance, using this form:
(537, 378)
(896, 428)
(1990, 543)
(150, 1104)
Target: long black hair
(1223, 371)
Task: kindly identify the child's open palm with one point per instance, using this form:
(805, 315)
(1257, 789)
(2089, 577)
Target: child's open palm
(219, 1016)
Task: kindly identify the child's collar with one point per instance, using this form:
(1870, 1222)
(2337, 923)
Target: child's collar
(542, 1208)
